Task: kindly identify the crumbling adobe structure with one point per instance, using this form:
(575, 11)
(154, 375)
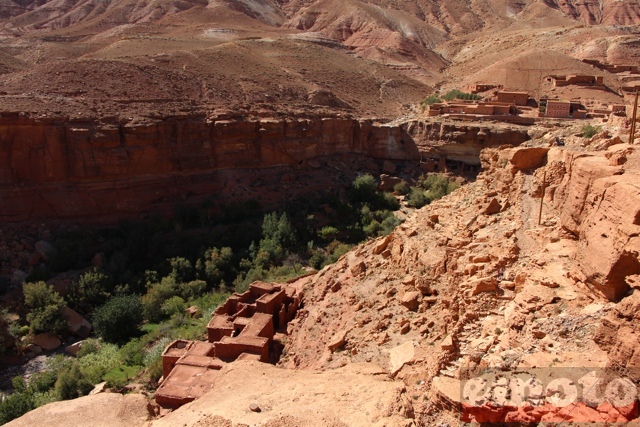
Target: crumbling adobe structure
(480, 87)
(611, 67)
(577, 79)
(242, 328)
(476, 108)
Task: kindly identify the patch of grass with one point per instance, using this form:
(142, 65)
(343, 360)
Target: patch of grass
(119, 376)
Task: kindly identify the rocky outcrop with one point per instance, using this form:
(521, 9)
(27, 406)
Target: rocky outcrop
(462, 142)
(100, 410)
(67, 168)
(72, 168)
(600, 203)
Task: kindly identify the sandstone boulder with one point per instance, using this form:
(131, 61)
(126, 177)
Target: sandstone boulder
(447, 344)
(47, 341)
(78, 325)
(387, 182)
(338, 340)
(74, 348)
(526, 158)
(493, 207)
(35, 349)
(101, 410)
(400, 355)
(193, 311)
(45, 249)
(411, 300)
(358, 269)
(388, 167)
(382, 244)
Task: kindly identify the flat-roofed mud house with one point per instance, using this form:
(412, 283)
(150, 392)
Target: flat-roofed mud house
(244, 327)
(512, 97)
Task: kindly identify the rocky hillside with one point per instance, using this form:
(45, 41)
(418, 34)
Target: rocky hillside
(472, 281)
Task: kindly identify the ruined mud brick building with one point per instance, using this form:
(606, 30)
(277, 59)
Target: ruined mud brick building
(481, 87)
(475, 108)
(612, 68)
(577, 79)
(244, 327)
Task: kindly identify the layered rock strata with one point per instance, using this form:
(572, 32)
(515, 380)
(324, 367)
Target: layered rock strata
(65, 168)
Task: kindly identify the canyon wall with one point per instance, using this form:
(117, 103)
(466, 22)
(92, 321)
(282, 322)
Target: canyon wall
(65, 168)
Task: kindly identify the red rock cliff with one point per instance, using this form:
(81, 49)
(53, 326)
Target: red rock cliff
(71, 168)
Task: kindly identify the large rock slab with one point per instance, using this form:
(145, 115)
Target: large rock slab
(100, 410)
(47, 341)
(401, 355)
(354, 395)
(78, 325)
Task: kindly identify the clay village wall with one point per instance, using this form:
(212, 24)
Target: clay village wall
(577, 79)
(479, 108)
(480, 87)
(612, 68)
(243, 328)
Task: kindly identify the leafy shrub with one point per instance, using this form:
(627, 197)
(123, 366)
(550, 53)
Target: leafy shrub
(401, 188)
(95, 365)
(173, 305)
(193, 289)
(278, 237)
(363, 188)
(132, 353)
(339, 250)
(215, 266)
(589, 131)
(157, 294)
(119, 319)
(94, 287)
(389, 201)
(89, 346)
(430, 100)
(458, 94)
(328, 233)
(416, 198)
(45, 306)
(15, 405)
(317, 259)
(72, 383)
(181, 270)
(437, 185)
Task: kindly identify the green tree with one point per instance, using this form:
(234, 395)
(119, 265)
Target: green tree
(173, 305)
(216, 265)
(45, 308)
(181, 270)
(416, 198)
(94, 287)
(156, 295)
(363, 189)
(278, 237)
(192, 290)
(119, 319)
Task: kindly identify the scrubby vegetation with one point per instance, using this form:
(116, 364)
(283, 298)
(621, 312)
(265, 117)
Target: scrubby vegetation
(429, 188)
(430, 100)
(589, 131)
(458, 94)
(153, 271)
